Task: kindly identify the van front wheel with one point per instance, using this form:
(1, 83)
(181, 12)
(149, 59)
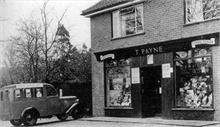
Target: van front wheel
(62, 117)
(15, 122)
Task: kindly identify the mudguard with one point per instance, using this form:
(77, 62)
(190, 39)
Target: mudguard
(69, 110)
(26, 109)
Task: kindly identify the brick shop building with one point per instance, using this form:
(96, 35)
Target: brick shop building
(156, 58)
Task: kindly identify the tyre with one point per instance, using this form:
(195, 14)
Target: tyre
(15, 122)
(62, 117)
(76, 113)
(29, 118)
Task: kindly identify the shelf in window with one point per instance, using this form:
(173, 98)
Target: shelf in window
(118, 107)
(178, 59)
(193, 109)
(195, 74)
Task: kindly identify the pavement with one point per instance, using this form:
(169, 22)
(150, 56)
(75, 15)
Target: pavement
(155, 121)
(119, 122)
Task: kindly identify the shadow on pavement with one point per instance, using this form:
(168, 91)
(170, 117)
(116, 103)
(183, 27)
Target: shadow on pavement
(43, 122)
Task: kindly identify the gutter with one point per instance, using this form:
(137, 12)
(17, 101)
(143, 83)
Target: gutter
(113, 8)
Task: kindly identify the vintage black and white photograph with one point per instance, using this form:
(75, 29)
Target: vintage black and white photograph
(110, 63)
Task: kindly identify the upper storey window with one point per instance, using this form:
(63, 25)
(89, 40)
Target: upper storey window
(201, 10)
(128, 21)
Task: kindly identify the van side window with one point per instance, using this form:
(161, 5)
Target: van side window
(7, 94)
(18, 93)
(28, 93)
(51, 91)
(39, 92)
(1, 95)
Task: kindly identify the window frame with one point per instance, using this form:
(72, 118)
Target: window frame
(31, 91)
(41, 90)
(48, 86)
(21, 94)
(175, 104)
(1, 95)
(195, 22)
(7, 95)
(118, 27)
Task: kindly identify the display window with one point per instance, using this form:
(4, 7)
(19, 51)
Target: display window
(194, 82)
(118, 82)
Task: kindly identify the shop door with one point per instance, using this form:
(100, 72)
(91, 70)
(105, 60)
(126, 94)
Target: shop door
(151, 91)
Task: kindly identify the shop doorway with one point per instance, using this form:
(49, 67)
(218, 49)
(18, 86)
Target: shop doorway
(151, 91)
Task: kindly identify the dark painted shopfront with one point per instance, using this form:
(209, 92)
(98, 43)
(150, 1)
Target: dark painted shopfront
(172, 79)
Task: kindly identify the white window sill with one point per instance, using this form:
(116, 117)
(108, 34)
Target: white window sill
(128, 36)
(198, 22)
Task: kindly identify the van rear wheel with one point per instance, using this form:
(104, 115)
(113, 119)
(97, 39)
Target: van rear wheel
(29, 118)
(15, 122)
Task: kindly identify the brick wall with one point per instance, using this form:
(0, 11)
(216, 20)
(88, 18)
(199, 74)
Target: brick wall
(216, 81)
(97, 88)
(163, 21)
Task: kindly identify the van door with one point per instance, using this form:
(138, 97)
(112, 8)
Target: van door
(53, 101)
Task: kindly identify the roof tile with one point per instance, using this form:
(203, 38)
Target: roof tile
(103, 4)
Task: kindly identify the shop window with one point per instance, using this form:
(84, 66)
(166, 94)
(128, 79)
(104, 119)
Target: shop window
(118, 83)
(200, 10)
(128, 21)
(194, 86)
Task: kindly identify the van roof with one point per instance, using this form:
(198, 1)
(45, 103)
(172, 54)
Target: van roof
(25, 85)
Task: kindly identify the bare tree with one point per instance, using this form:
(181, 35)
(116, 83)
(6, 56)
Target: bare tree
(49, 43)
(26, 48)
(42, 52)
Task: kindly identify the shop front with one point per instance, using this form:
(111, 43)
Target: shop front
(172, 79)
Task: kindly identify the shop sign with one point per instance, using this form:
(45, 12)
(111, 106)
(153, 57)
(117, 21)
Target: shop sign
(135, 75)
(103, 57)
(166, 70)
(203, 42)
(149, 50)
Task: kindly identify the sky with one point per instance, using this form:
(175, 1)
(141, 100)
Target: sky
(11, 11)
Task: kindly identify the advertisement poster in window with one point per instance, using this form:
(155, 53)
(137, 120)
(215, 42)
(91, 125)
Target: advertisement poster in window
(150, 59)
(166, 70)
(135, 75)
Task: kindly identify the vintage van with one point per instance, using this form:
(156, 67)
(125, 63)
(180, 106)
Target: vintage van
(25, 103)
